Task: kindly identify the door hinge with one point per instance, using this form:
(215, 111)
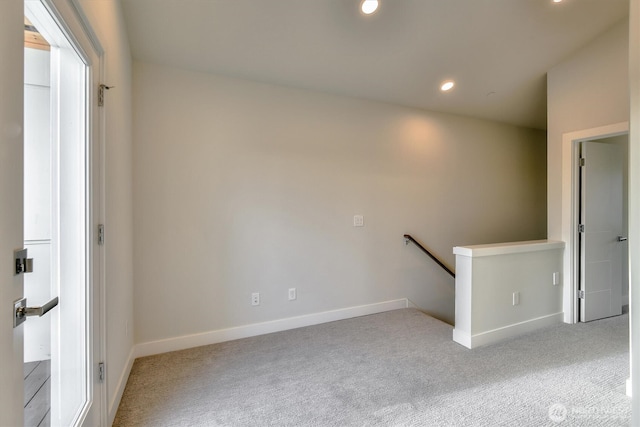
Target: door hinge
(580, 228)
(581, 162)
(101, 234)
(581, 294)
(101, 371)
(101, 89)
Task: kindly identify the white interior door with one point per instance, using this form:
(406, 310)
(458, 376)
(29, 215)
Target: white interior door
(601, 203)
(11, 210)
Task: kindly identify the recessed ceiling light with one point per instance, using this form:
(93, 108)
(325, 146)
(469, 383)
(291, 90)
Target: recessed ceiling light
(557, 1)
(447, 86)
(369, 6)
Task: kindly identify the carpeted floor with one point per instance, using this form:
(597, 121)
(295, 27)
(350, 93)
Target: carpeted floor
(399, 368)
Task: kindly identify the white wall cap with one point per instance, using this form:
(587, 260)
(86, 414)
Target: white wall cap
(508, 248)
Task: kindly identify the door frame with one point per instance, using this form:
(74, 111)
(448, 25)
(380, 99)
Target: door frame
(78, 24)
(69, 16)
(571, 209)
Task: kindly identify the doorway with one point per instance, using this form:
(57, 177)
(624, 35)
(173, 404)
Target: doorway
(603, 204)
(61, 348)
(570, 221)
(39, 154)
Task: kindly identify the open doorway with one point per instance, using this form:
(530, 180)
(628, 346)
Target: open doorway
(38, 220)
(61, 347)
(574, 271)
(571, 212)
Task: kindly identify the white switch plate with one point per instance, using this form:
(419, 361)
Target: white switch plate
(556, 278)
(292, 294)
(516, 298)
(358, 221)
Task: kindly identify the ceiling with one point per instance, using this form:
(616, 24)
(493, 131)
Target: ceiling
(32, 37)
(497, 51)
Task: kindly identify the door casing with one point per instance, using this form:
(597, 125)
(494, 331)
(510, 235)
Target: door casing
(571, 209)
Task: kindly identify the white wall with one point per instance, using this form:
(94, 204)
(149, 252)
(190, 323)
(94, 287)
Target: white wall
(586, 91)
(106, 20)
(243, 187)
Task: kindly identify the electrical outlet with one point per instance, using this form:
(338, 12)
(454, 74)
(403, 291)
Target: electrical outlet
(292, 294)
(255, 298)
(358, 221)
(516, 298)
(126, 329)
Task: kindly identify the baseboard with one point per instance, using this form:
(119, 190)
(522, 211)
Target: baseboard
(114, 400)
(462, 338)
(221, 335)
(411, 304)
(509, 331)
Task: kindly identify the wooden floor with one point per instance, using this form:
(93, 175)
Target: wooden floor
(37, 394)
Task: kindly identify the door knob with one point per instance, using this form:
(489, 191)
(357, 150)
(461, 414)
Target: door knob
(21, 311)
(622, 239)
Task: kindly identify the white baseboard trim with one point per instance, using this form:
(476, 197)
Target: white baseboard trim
(509, 331)
(221, 335)
(114, 400)
(462, 338)
(410, 304)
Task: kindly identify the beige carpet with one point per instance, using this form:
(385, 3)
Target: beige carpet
(399, 368)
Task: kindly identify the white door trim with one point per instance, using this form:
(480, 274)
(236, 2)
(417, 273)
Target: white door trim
(570, 209)
(89, 41)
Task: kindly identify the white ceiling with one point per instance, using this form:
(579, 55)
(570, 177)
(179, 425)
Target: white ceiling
(498, 51)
